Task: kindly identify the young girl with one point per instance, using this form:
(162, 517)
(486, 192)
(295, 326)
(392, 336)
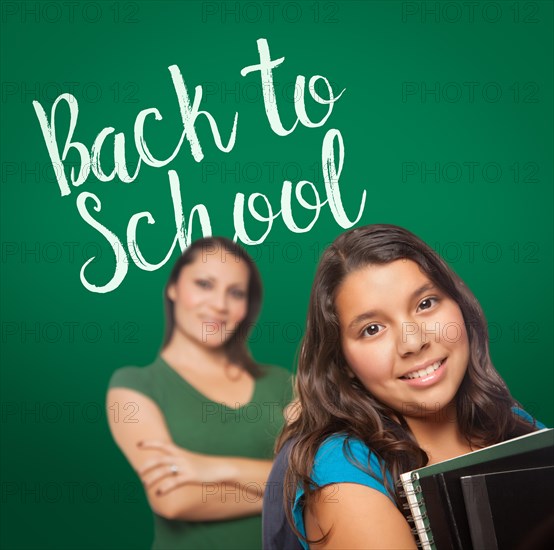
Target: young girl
(394, 374)
(201, 421)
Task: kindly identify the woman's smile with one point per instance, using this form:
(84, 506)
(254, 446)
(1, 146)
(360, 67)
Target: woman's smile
(210, 299)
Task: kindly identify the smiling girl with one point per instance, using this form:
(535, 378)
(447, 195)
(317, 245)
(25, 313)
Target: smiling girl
(204, 415)
(394, 373)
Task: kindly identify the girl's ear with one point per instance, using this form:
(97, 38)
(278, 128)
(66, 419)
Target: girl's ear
(349, 372)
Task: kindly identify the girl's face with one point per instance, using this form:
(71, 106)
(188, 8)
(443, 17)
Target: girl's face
(402, 337)
(210, 298)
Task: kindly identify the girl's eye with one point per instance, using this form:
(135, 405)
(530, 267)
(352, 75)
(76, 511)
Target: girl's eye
(372, 330)
(427, 303)
(204, 284)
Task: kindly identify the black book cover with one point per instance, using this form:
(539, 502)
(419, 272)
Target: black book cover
(504, 508)
(444, 499)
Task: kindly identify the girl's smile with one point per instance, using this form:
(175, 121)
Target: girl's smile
(425, 376)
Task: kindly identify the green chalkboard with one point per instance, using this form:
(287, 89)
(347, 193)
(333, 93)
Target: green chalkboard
(444, 125)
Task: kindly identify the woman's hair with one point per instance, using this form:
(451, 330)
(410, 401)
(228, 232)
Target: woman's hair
(236, 346)
(334, 402)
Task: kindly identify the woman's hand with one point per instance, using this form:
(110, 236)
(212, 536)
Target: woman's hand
(184, 497)
(292, 411)
(177, 467)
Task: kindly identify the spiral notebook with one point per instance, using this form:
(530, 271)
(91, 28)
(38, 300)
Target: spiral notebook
(434, 493)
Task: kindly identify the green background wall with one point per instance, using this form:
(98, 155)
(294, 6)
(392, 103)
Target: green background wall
(447, 125)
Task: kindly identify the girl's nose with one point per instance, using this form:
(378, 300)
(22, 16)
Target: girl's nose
(412, 338)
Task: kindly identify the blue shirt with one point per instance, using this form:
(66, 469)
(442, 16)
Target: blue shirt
(332, 465)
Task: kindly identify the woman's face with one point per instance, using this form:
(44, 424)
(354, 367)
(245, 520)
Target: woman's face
(402, 337)
(210, 298)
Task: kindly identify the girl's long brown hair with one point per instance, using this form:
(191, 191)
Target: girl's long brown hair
(332, 402)
(236, 346)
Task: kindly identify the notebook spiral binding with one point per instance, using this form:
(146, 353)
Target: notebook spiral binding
(419, 543)
(414, 495)
(430, 541)
(406, 505)
(412, 518)
(402, 491)
(427, 530)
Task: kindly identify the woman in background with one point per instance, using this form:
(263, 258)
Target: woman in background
(394, 374)
(206, 414)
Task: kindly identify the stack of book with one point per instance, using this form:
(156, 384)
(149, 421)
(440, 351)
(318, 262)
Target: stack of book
(496, 498)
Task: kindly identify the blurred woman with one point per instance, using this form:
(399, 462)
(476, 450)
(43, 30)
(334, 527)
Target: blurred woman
(207, 414)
